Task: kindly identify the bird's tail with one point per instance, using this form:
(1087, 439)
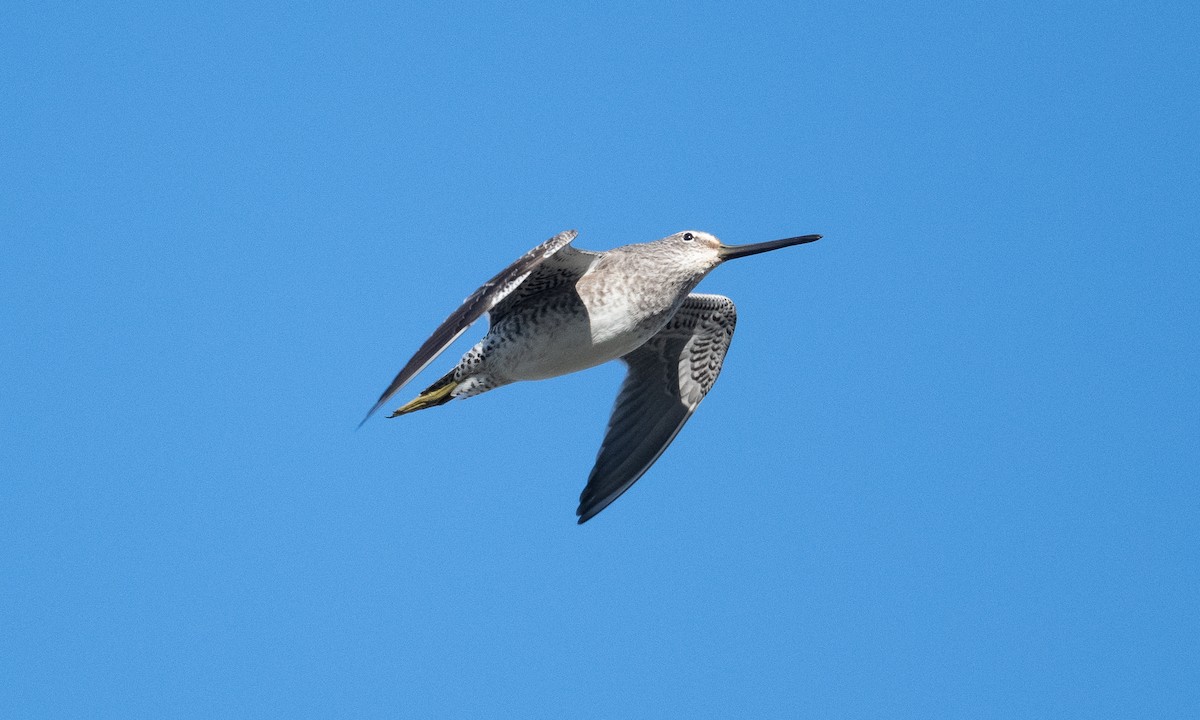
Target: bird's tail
(439, 393)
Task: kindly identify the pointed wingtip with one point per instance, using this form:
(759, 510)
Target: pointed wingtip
(370, 412)
(587, 511)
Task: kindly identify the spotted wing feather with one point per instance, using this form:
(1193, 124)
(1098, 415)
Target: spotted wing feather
(563, 268)
(479, 302)
(668, 377)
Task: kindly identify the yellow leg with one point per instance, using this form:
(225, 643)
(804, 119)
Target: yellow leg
(438, 394)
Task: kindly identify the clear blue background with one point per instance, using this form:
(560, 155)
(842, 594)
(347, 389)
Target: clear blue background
(950, 469)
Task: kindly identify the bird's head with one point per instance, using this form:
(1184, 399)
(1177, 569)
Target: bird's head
(707, 251)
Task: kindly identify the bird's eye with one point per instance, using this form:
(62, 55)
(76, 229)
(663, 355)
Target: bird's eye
(689, 237)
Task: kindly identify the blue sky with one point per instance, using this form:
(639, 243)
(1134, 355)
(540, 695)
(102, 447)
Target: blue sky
(949, 469)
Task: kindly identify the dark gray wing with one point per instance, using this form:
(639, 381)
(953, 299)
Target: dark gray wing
(479, 302)
(564, 267)
(667, 379)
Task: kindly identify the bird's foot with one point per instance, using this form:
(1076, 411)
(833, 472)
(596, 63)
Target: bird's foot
(439, 393)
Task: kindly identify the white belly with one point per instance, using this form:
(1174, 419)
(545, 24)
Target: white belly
(564, 343)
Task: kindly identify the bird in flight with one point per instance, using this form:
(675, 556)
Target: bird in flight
(559, 309)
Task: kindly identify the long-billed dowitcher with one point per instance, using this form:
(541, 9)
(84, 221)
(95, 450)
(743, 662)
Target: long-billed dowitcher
(558, 309)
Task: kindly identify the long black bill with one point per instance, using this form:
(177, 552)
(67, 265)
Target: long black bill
(729, 252)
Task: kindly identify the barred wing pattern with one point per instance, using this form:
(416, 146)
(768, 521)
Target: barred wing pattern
(564, 267)
(479, 302)
(667, 379)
